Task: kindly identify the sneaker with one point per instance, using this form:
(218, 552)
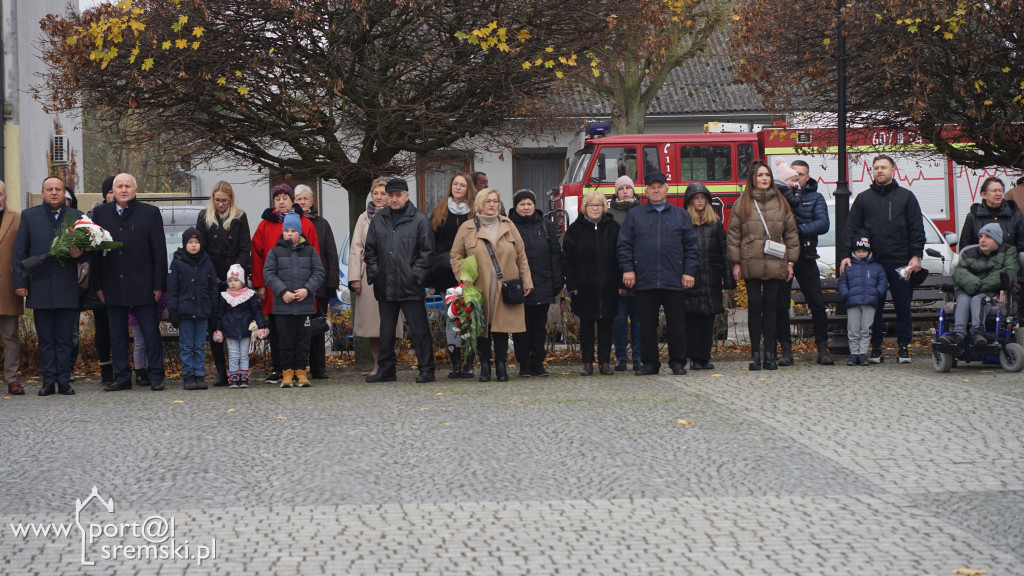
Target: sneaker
(978, 338)
(862, 360)
(876, 356)
(854, 360)
(274, 377)
(620, 365)
(243, 379)
(234, 381)
(903, 356)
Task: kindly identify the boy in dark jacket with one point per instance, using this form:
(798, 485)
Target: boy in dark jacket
(862, 287)
(191, 293)
(981, 276)
(292, 273)
(239, 308)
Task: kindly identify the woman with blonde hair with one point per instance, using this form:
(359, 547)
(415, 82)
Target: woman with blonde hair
(593, 279)
(490, 232)
(763, 244)
(445, 220)
(224, 229)
(704, 300)
(367, 314)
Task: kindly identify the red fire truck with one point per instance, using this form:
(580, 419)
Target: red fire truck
(720, 157)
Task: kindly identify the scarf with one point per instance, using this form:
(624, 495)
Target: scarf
(457, 208)
(489, 224)
(371, 210)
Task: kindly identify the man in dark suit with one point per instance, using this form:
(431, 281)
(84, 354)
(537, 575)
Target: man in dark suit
(132, 276)
(52, 288)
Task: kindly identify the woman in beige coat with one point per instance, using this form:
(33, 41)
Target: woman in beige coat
(11, 305)
(367, 315)
(764, 273)
(501, 318)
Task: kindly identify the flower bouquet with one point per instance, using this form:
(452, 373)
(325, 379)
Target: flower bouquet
(464, 305)
(81, 233)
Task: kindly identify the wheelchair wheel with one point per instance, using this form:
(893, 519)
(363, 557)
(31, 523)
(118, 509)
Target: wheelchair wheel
(942, 362)
(1011, 357)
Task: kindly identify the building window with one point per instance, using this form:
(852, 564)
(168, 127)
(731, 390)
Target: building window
(434, 173)
(705, 163)
(540, 170)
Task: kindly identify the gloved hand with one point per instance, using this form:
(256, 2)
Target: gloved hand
(172, 315)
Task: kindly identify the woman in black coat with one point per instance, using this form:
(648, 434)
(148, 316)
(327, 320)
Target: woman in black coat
(544, 255)
(993, 208)
(704, 300)
(445, 220)
(224, 228)
(593, 278)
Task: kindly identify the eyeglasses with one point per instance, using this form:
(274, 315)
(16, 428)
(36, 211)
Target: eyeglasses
(489, 201)
(222, 200)
(595, 205)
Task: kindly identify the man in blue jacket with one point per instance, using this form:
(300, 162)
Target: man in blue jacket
(657, 252)
(811, 215)
(52, 288)
(133, 276)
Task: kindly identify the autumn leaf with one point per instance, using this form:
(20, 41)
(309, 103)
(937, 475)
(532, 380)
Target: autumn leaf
(243, 90)
(166, 45)
(181, 43)
(198, 31)
(683, 422)
(968, 572)
(177, 402)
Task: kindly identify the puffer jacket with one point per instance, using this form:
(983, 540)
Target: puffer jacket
(811, 214)
(290, 267)
(893, 217)
(192, 285)
(660, 247)
(592, 267)
(543, 254)
(1008, 217)
(235, 314)
(863, 283)
(267, 234)
(747, 237)
(399, 254)
(977, 272)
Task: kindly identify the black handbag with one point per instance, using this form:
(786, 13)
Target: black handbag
(318, 324)
(511, 291)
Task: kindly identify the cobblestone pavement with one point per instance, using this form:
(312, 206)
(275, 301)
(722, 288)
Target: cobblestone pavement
(890, 469)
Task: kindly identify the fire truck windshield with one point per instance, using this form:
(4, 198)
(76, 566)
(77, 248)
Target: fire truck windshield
(578, 165)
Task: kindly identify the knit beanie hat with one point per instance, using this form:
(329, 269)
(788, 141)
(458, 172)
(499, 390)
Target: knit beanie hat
(108, 185)
(237, 272)
(783, 171)
(292, 220)
(524, 194)
(190, 233)
(624, 181)
(993, 231)
(862, 241)
(283, 188)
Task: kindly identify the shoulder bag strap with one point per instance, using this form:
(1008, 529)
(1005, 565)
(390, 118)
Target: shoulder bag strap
(763, 223)
(494, 261)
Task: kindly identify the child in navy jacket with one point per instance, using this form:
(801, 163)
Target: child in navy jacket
(862, 287)
(191, 292)
(239, 308)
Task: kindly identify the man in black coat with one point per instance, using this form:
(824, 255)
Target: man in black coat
(52, 288)
(893, 218)
(399, 256)
(132, 278)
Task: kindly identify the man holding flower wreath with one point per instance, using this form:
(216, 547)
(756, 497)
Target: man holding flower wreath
(51, 288)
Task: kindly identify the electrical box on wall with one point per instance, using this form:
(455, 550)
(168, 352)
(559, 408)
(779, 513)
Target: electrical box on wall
(60, 152)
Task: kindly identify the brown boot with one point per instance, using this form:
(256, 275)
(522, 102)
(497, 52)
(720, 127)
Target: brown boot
(606, 369)
(286, 378)
(301, 376)
(14, 388)
(588, 369)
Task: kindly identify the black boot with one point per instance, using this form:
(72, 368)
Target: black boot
(501, 370)
(222, 377)
(141, 378)
(467, 368)
(770, 362)
(824, 358)
(64, 388)
(106, 373)
(47, 390)
(755, 359)
(786, 358)
(485, 370)
(455, 356)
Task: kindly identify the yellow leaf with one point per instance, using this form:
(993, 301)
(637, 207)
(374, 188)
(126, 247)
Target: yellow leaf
(238, 72)
(558, 74)
(7, 397)
(947, 36)
(549, 63)
(826, 41)
(222, 81)
(195, 45)
(198, 31)
(503, 47)
(243, 90)
(281, 418)
(716, 375)
(597, 73)
(978, 84)
(549, 49)
(182, 20)
(968, 572)
(271, 50)
(966, 380)
(177, 402)
(446, 423)
(181, 43)
(987, 371)
(147, 63)
(424, 409)
(735, 16)
(524, 35)
(526, 65)
(166, 44)
(683, 422)
(231, 410)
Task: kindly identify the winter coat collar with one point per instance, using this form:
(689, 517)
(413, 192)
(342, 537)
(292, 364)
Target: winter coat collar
(518, 218)
(236, 300)
(285, 243)
(404, 213)
(624, 204)
(271, 215)
(883, 190)
(1006, 209)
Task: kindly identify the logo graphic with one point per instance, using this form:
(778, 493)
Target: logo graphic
(79, 506)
